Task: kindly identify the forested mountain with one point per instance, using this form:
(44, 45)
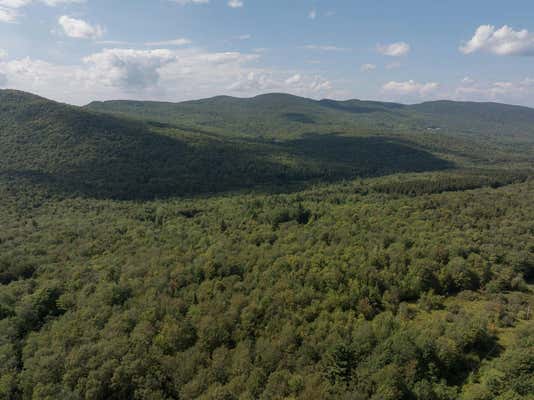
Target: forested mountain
(477, 131)
(247, 116)
(268, 248)
(75, 151)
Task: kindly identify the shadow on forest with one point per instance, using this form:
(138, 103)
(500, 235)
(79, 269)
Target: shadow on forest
(356, 107)
(366, 156)
(143, 165)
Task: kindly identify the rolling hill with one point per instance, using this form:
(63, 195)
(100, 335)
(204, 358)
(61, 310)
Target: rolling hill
(248, 116)
(473, 133)
(82, 152)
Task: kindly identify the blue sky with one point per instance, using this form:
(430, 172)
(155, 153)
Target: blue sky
(408, 51)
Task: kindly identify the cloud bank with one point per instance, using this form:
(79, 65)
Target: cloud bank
(157, 74)
(410, 88)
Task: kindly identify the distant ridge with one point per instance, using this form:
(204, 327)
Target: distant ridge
(280, 110)
(137, 155)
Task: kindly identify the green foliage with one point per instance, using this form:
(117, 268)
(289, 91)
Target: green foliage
(72, 151)
(411, 286)
(334, 292)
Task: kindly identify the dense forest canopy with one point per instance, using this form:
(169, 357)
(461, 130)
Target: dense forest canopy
(266, 248)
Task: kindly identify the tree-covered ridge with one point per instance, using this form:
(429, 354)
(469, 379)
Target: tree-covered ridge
(279, 115)
(77, 152)
(486, 133)
(335, 292)
(74, 151)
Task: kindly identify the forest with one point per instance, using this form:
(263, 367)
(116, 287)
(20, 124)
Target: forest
(176, 254)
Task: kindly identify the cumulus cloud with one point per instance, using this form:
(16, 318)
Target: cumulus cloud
(159, 74)
(410, 88)
(268, 81)
(235, 3)
(397, 49)
(128, 69)
(504, 41)
(60, 82)
(312, 14)
(79, 29)
(368, 67)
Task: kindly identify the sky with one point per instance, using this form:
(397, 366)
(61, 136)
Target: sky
(409, 51)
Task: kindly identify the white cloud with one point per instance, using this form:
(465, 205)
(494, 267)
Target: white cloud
(8, 15)
(468, 80)
(324, 47)
(319, 84)
(44, 78)
(269, 81)
(79, 29)
(397, 49)
(173, 42)
(368, 67)
(312, 14)
(293, 79)
(511, 91)
(235, 3)
(503, 42)
(9, 8)
(244, 37)
(128, 69)
(3, 54)
(410, 88)
(158, 74)
(14, 3)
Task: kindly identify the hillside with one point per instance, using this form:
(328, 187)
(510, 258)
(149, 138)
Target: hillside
(273, 115)
(363, 261)
(471, 133)
(487, 119)
(75, 151)
(495, 118)
(338, 292)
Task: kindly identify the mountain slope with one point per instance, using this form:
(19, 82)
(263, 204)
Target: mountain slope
(273, 115)
(77, 151)
(502, 120)
(281, 115)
